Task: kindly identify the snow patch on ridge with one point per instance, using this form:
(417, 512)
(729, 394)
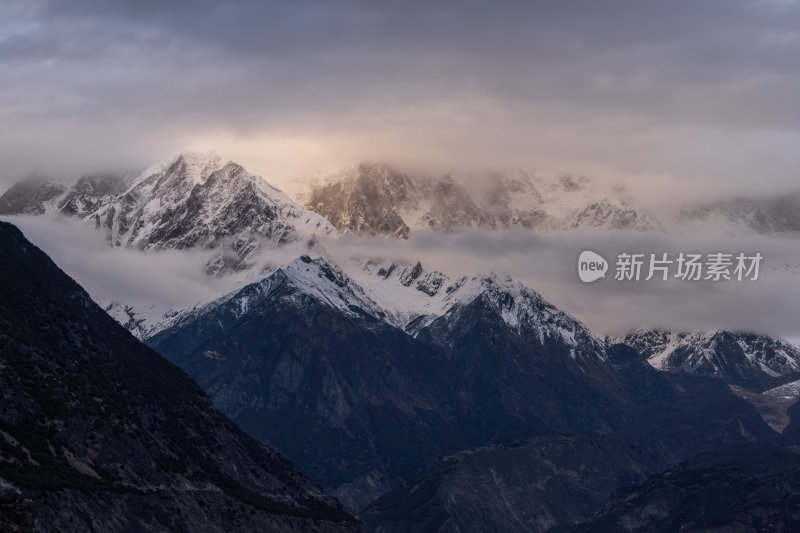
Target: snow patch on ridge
(717, 353)
(413, 298)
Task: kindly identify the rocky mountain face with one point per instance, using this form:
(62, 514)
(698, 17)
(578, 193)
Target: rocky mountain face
(530, 486)
(375, 199)
(748, 488)
(365, 397)
(379, 200)
(303, 356)
(751, 361)
(413, 297)
(89, 194)
(191, 201)
(31, 197)
(99, 432)
(194, 201)
(16, 515)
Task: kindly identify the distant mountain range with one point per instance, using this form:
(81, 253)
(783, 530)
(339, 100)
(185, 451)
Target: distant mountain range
(308, 355)
(193, 201)
(752, 361)
(421, 401)
(376, 199)
(203, 201)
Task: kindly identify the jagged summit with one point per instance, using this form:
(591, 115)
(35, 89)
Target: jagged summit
(414, 297)
(405, 296)
(323, 280)
(191, 201)
(303, 277)
(375, 199)
(381, 199)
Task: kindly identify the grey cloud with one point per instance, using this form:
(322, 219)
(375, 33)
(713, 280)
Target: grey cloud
(548, 264)
(544, 262)
(162, 280)
(695, 89)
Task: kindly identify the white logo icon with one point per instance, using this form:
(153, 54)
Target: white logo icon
(591, 266)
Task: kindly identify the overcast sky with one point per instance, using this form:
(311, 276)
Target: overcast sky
(693, 91)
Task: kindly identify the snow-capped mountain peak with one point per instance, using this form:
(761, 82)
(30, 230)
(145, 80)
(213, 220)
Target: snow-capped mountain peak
(304, 277)
(527, 313)
(301, 279)
(377, 199)
(191, 201)
(324, 281)
(414, 298)
(743, 359)
(405, 296)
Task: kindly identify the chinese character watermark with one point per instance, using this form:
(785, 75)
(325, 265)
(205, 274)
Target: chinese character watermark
(716, 266)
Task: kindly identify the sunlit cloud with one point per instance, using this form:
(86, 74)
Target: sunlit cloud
(702, 93)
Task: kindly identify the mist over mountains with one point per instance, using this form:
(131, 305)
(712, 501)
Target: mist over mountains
(376, 199)
(382, 199)
(507, 267)
(527, 225)
(444, 398)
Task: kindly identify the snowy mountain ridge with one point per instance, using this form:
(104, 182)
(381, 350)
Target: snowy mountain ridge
(744, 359)
(202, 201)
(144, 322)
(302, 278)
(379, 199)
(404, 296)
(376, 199)
(414, 297)
(788, 391)
(191, 201)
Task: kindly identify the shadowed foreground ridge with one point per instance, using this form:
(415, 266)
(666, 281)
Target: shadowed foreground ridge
(98, 432)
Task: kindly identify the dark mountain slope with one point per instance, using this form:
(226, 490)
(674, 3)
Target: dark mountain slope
(318, 380)
(531, 486)
(101, 433)
(747, 488)
(511, 378)
(303, 360)
(550, 481)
